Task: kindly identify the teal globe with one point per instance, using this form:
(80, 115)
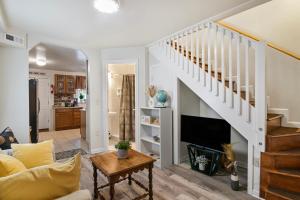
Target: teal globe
(161, 96)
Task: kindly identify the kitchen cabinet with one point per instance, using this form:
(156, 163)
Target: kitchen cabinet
(81, 82)
(70, 84)
(59, 84)
(67, 118)
(64, 84)
(76, 118)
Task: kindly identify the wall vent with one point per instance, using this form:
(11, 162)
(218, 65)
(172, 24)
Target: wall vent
(11, 39)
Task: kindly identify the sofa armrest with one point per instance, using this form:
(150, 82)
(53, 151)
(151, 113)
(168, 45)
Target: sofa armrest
(78, 195)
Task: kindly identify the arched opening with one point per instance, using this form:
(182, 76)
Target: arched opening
(58, 96)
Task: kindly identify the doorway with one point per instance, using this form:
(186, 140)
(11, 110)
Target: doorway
(59, 104)
(121, 103)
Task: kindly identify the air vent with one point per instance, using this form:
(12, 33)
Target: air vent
(14, 40)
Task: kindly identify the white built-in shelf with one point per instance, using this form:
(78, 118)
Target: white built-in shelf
(149, 139)
(162, 151)
(152, 125)
(150, 108)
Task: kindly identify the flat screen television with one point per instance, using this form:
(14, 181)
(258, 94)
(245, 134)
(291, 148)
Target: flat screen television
(206, 132)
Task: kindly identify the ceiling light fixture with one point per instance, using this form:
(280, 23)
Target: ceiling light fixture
(107, 6)
(41, 61)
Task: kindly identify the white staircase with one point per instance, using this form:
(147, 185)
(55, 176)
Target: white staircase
(227, 71)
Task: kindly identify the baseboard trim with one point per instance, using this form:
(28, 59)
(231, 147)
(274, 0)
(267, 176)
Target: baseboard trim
(97, 150)
(285, 121)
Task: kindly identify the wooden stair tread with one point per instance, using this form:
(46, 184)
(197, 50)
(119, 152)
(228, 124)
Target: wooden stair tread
(272, 116)
(283, 131)
(283, 193)
(291, 152)
(290, 172)
(285, 172)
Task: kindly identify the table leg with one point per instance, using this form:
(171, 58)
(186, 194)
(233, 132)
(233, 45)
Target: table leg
(111, 190)
(150, 182)
(129, 179)
(95, 183)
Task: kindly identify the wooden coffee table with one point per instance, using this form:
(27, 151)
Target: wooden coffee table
(116, 170)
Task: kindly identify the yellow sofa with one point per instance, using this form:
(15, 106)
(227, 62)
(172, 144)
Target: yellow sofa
(53, 181)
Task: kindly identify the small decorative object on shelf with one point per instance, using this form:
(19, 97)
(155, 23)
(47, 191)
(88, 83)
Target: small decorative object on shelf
(122, 149)
(161, 98)
(151, 91)
(146, 119)
(154, 120)
(235, 185)
(156, 138)
(202, 162)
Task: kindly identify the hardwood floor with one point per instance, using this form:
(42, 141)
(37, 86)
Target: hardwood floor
(64, 140)
(174, 183)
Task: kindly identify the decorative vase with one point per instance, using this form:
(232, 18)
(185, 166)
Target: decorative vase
(122, 154)
(201, 166)
(235, 185)
(151, 102)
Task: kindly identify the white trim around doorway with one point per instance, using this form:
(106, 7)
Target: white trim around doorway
(105, 98)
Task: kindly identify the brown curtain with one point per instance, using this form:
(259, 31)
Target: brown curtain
(127, 106)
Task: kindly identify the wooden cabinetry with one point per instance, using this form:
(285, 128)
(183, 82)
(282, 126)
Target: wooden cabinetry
(80, 82)
(67, 118)
(76, 118)
(65, 84)
(70, 84)
(59, 84)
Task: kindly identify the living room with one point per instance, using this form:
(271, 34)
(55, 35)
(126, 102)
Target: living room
(195, 66)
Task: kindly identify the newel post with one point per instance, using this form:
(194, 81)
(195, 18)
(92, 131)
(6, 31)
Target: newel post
(260, 95)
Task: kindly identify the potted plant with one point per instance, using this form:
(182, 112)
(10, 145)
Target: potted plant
(81, 97)
(202, 162)
(122, 149)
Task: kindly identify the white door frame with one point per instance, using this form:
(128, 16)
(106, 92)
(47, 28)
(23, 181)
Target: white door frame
(105, 97)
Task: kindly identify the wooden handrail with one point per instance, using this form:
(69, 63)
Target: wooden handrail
(289, 53)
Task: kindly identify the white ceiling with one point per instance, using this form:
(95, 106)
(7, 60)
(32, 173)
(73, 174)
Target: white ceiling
(276, 21)
(59, 58)
(139, 22)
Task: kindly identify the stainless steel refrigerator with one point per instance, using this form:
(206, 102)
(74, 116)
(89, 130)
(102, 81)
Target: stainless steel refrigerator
(34, 110)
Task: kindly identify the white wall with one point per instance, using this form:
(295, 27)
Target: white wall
(14, 101)
(191, 104)
(276, 21)
(283, 83)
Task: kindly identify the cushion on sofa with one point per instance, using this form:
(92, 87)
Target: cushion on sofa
(10, 165)
(44, 182)
(34, 155)
(7, 138)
